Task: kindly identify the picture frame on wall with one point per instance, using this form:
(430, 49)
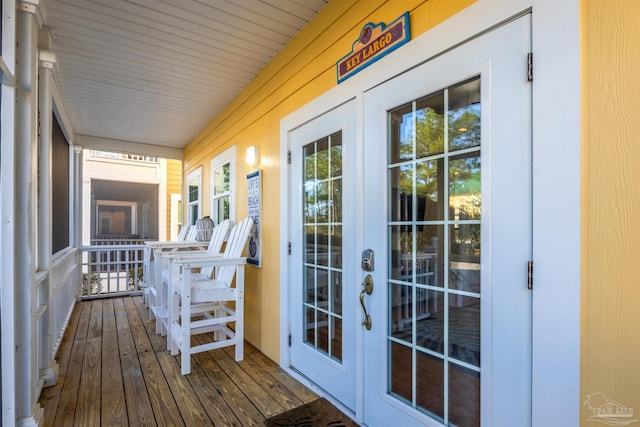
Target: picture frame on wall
(254, 200)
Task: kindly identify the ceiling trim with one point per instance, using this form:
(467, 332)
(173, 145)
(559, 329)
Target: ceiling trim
(116, 145)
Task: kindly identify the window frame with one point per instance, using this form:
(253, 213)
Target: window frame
(226, 157)
(195, 175)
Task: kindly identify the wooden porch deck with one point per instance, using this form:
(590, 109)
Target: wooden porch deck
(115, 371)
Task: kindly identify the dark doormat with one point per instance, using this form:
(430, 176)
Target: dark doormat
(319, 413)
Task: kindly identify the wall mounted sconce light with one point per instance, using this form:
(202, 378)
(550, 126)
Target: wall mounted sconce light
(252, 155)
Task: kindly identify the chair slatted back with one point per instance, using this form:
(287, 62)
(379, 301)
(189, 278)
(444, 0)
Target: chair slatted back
(183, 232)
(235, 244)
(216, 242)
(192, 234)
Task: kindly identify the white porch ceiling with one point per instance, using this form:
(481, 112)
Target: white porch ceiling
(157, 71)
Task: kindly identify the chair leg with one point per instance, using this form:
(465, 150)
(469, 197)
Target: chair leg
(174, 307)
(217, 334)
(151, 301)
(240, 324)
(185, 363)
(185, 324)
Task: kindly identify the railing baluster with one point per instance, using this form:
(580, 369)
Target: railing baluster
(111, 268)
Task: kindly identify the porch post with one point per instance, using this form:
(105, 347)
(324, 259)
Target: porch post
(78, 190)
(28, 413)
(48, 367)
(7, 212)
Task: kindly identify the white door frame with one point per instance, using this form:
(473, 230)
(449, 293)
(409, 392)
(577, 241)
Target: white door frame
(556, 129)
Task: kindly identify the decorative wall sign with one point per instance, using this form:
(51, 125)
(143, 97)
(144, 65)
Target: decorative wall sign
(374, 43)
(254, 198)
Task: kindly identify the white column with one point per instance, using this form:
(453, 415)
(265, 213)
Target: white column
(48, 368)
(162, 200)
(78, 206)
(46, 62)
(78, 190)
(7, 223)
(28, 413)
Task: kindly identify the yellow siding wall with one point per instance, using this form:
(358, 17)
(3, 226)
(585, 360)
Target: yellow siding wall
(610, 343)
(302, 71)
(174, 186)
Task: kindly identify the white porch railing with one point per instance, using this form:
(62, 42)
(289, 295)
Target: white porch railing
(56, 292)
(111, 270)
(95, 271)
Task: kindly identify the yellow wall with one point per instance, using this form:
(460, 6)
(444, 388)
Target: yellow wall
(610, 307)
(303, 70)
(174, 186)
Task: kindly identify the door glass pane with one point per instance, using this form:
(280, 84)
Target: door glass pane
(322, 226)
(430, 320)
(430, 390)
(429, 263)
(464, 396)
(401, 134)
(400, 382)
(464, 257)
(464, 115)
(434, 212)
(401, 312)
(401, 192)
(464, 186)
(430, 125)
(464, 329)
(430, 190)
(400, 252)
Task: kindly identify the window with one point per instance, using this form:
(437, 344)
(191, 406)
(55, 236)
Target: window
(194, 191)
(60, 169)
(223, 186)
(116, 219)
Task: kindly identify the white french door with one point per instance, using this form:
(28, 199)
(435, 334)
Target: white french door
(443, 178)
(323, 321)
(448, 200)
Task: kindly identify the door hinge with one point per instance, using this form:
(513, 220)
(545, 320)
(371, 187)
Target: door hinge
(289, 248)
(530, 275)
(530, 66)
(289, 157)
(289, 340)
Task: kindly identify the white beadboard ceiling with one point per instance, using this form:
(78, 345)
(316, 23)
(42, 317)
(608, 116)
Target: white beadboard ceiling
(157, 71)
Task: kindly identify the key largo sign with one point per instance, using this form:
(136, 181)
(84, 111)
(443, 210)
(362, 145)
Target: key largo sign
(375, 41)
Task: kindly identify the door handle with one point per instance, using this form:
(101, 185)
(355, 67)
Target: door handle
(368, 289)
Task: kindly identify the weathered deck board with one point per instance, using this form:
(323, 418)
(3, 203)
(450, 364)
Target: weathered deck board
(115, 371)
(50, 397)
(88, 406)
(241, 404)
(164, 405)
(139, 410)
(277, 391)
(115, 413)
(66, 410)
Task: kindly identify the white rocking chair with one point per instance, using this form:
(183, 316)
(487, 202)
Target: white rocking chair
(208, 300)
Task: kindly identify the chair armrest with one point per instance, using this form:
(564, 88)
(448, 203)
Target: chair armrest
(175, 245)
(210, 261)
(185, 256)
(182, 254)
